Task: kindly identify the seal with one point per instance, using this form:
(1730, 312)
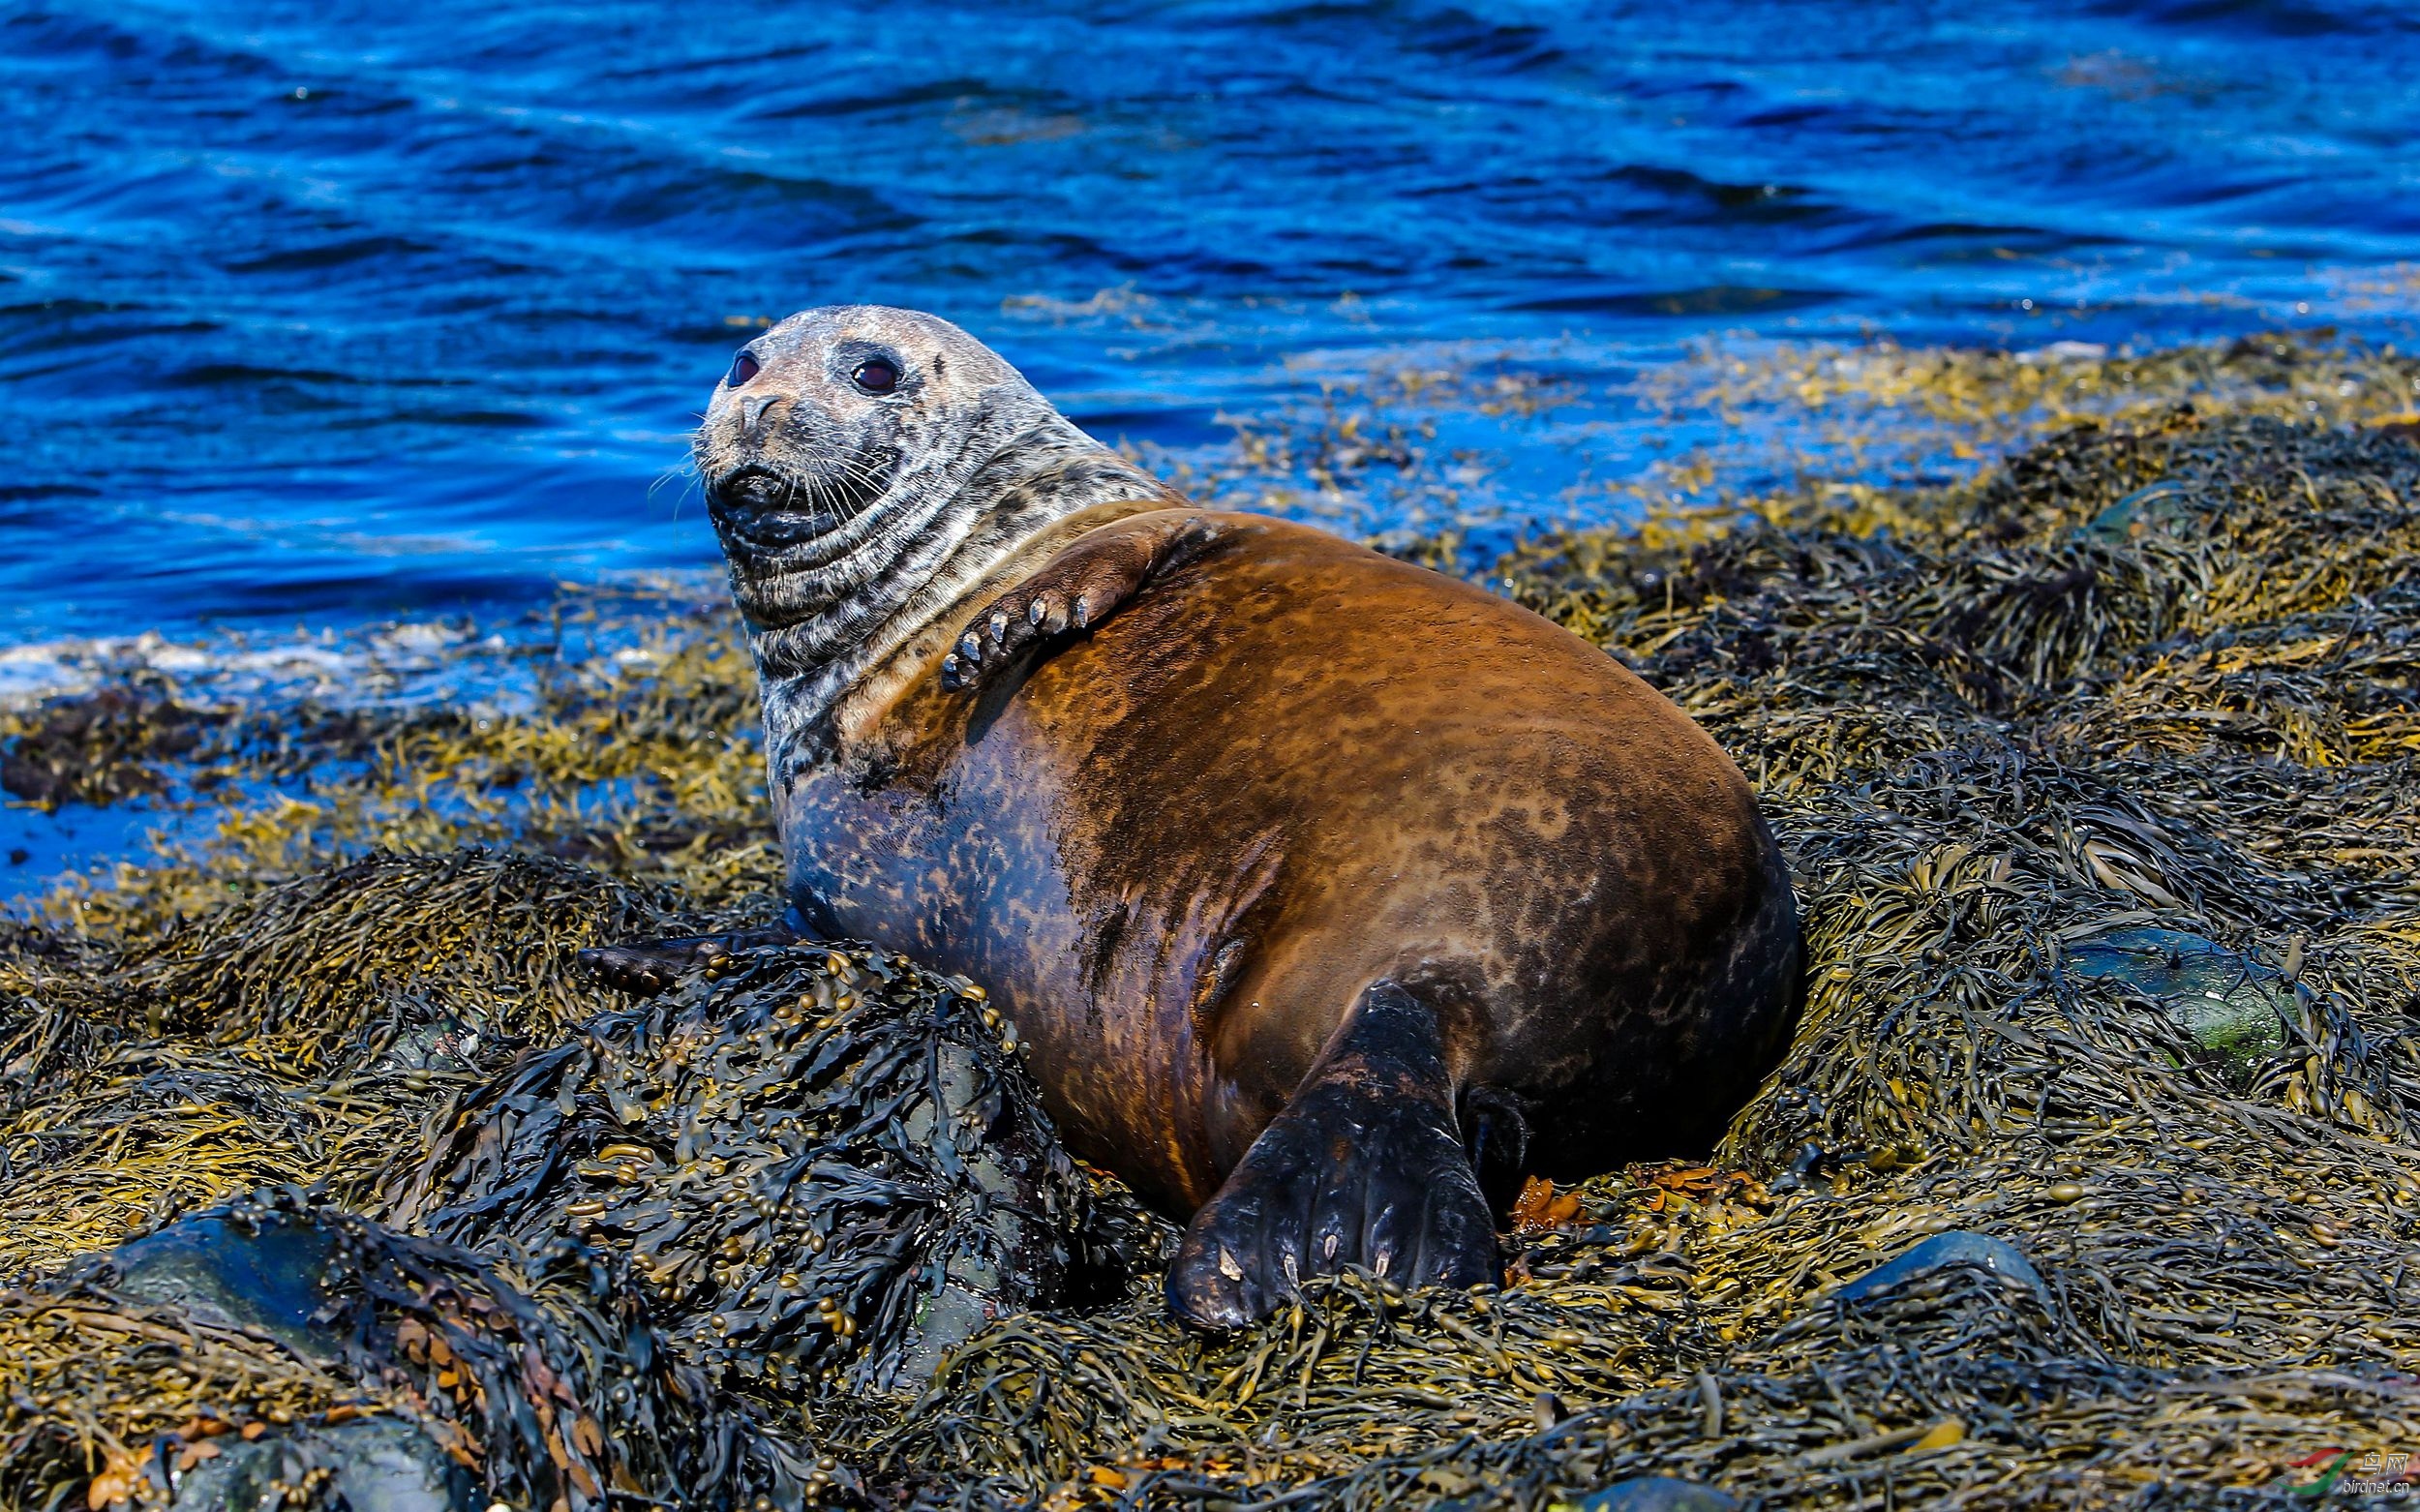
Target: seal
(1331, 893)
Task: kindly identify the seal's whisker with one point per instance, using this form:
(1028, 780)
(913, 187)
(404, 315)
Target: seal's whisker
(855, 502)
(689, 480)
(846, 503)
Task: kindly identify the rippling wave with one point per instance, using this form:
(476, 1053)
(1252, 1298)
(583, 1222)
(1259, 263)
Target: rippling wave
(333, 310)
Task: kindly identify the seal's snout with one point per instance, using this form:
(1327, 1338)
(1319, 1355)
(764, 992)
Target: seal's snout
(752, 413)
(746, 423)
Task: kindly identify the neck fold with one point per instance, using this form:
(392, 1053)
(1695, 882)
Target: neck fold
(822, 617)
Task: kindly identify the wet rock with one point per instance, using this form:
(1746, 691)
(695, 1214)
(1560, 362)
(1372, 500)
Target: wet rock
(381, 1465)
(445, 1044)
(1954, 1247)
(281, 1274)
(2230, 1006)
(1658, 1493)
(264, 1277)
(2164, 506)
(555, 1383)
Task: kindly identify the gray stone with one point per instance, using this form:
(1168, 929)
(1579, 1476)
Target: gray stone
(265, 1275)
(1658, 1493)
(444, 1044)
(374, 1465)
(1950, 1247)
(2164, 506)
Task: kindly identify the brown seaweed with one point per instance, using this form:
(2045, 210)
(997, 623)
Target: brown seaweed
(2151, 680)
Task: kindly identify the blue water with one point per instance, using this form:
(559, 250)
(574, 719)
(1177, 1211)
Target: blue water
(325, 310)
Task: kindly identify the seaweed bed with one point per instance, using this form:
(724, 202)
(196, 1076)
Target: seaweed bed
(2099, 774)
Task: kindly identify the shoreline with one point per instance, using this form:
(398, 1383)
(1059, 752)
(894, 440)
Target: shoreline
(2088, 1174)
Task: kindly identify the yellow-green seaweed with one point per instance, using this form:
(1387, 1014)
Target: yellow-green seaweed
(2156, 673)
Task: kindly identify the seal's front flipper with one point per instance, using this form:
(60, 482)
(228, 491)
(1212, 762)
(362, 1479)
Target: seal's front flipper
(645, 970)
(1079, 585)
(1364, 1166)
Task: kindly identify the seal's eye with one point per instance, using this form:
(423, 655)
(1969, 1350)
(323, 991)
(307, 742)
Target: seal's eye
(742, 368)
(876, 376)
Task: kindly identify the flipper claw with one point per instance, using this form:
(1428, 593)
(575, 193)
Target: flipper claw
(1364, 1166)
(1077, 588)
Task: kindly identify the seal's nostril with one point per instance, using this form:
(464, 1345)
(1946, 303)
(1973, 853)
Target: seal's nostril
(743, 367)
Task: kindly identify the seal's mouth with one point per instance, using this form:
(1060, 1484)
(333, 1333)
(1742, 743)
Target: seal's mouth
(753, 487)
(766, 507)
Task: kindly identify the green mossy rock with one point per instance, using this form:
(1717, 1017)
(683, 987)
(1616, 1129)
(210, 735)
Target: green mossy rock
(2231, 1007)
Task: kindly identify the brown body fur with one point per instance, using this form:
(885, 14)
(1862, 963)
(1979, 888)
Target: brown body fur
(1179, 845)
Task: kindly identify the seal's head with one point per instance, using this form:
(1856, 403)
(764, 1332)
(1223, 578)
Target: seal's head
(837, 437)
(864, 465)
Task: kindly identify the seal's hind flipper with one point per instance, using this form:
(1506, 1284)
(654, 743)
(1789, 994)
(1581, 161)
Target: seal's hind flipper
(1364, 1166)
(645, 970)
(1077, 587)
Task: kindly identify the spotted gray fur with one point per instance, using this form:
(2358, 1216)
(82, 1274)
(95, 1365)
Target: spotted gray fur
(850, 520)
